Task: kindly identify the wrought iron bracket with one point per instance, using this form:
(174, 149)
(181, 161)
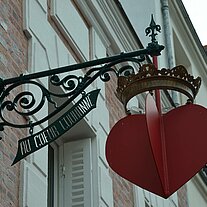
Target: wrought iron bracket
(25, 104)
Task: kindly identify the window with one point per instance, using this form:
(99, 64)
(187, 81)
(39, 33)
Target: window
(70, 174)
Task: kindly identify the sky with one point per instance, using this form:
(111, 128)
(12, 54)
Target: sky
(197, 10)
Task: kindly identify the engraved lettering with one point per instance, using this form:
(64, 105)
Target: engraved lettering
(25, 147)
(86, 104)
(40, 139)
(53, 132)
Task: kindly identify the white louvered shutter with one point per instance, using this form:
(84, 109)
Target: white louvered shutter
(77, 174)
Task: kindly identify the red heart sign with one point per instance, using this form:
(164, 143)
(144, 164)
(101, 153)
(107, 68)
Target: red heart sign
(159, 153)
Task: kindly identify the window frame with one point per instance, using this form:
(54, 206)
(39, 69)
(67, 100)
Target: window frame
(53, 175)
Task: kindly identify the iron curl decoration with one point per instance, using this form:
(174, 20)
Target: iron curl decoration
(104, 74)
(70, 84)
(24, 104)
(22, 100)
(124, 69)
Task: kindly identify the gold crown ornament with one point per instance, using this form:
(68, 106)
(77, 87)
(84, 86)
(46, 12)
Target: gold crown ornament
(149, 78)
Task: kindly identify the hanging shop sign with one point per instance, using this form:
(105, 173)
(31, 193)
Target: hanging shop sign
(26, 103)
(64, 123)
(25, 98)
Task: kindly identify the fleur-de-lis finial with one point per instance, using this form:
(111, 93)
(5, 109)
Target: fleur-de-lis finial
(153, 29)
(153, 47)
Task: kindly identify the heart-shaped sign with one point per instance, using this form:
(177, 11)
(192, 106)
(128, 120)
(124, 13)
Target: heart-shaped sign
(159, 152)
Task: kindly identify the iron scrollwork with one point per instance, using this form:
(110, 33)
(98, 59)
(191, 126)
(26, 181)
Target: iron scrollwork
(26, 103)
